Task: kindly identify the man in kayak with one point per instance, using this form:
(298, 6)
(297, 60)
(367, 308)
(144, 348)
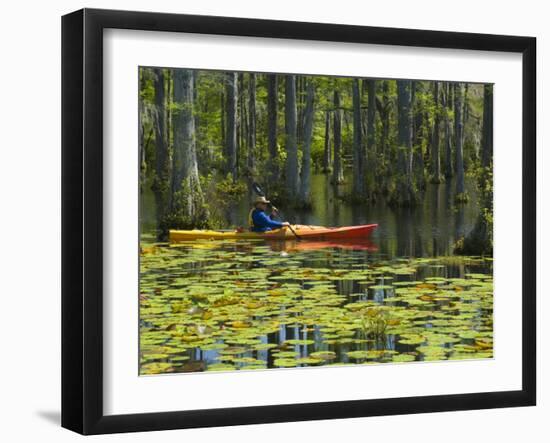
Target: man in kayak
(259, 220)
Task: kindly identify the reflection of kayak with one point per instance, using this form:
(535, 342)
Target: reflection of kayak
(305, 232)
(358, 244)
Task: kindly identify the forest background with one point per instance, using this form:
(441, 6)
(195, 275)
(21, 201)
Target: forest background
(206, 136)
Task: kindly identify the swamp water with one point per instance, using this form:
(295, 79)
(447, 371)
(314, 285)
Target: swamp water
(403, 296)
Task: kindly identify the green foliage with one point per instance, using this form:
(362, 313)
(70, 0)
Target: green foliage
(402, 192)
(229, 191)
(147, 86)
(462, 198)
(219, 194)
(187, 210)
(384, 182)
(374, 322)
(480, 240)
(437, 179)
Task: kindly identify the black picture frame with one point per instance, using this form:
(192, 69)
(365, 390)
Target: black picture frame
(82, 219)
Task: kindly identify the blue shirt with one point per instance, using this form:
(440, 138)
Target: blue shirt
(263, 222)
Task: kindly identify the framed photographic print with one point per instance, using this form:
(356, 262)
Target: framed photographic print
(269, 221)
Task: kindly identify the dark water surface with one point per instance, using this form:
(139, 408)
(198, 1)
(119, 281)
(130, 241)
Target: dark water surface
(401, 297)
(431, 229)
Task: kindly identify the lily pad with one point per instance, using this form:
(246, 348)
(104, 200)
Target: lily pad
(323, 355)
(285, 362)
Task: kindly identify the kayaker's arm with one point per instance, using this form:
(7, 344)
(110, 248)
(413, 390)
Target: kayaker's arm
(269, 222)
(261, 219)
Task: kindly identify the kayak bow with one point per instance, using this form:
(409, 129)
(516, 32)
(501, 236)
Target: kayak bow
(305, 232)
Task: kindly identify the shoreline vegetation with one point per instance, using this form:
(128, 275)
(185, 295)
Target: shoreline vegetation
(206, 136)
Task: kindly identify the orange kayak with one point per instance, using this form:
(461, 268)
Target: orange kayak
(305, 232)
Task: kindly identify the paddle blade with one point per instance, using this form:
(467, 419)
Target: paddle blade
(257, 189)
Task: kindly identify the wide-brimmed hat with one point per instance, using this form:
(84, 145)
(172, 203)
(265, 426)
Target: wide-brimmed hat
(261, 199)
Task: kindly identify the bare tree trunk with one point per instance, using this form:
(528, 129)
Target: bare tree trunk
(418, 131)
(383, 167)
(272, 93)
(447, 105)
(169, 83)
(142, 158)
(371, 159)
(465, 117)
(457, 117)
(231, 129)
(386, 115)
(196, 115)
(242, 122)
(299, 109)
(292, 173)
(459, 135)
(161, 184)
(222, 124)
(251, 124)
(371, 115)
(436, 157)
(337, 172)
(187, 202)
(201, 108)
(327, 151)
(404, 192)
(487, 133)
(309, 112)
(358, 154)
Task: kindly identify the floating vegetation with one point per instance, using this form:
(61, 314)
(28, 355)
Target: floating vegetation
(226, 305)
